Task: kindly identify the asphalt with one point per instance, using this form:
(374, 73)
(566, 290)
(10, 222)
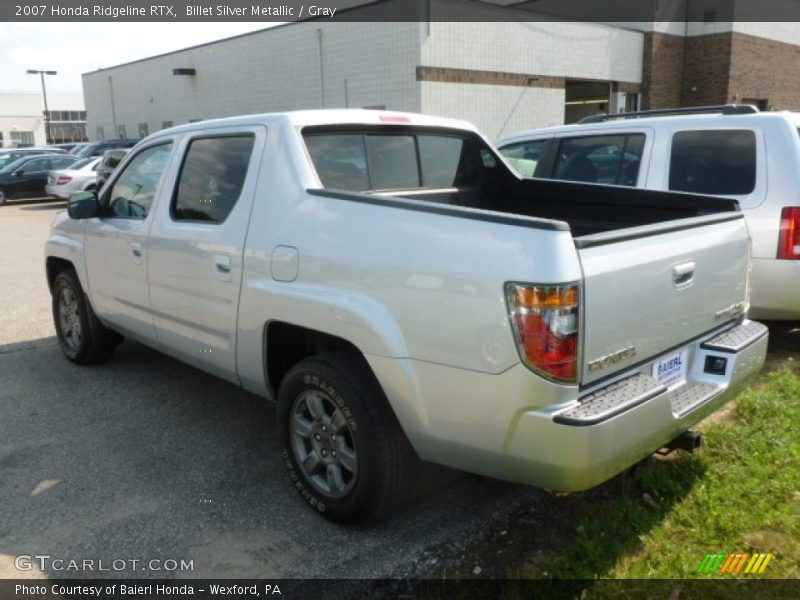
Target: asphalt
(146, 458)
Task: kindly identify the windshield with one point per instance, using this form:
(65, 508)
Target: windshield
(80, 163)
(8, 158)
(87, 150)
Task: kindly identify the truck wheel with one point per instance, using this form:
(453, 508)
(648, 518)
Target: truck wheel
(346, 453)
(83, 338)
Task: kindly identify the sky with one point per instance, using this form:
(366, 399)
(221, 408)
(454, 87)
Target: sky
(76, 48)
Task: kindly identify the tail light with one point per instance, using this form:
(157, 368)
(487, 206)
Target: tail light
(789, 239)
(545, 321)
(63, 179)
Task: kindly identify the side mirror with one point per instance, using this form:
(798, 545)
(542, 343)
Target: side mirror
(20, 172)
(83, 205)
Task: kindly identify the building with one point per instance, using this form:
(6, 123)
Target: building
(502, 76)
(22, 121)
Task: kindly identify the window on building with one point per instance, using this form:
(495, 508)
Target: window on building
(526, 157)
(101, 135)
(132, 193)
(143, 130)
(166, 124)
(360, 162)
(211, 178)
(122, 132)
(721, 162)
(22, 138)
(611, 159)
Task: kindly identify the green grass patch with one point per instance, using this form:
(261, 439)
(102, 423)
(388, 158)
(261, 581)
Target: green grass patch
(740, 494)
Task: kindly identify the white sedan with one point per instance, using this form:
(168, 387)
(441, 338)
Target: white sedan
(81, 176)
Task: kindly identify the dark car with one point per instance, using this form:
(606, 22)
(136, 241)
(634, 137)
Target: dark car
(109, 162)
(9, 155)
(99, 148)
(66, 147)
(26, 177)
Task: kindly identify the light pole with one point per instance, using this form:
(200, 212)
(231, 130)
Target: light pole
(44, 94)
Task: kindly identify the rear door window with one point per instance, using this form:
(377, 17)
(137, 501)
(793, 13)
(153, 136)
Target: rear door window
(212, 177)
(718, 162)
(610, 159)
(526, 156)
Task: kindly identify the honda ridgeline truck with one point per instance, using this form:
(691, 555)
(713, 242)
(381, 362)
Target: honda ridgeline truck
(401, 293)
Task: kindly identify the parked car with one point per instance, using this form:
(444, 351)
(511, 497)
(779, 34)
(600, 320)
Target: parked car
(99, 148)
(109, 162)
(80, 175)
(77, 148)
(311, 257)
(731, 151)
(27, 177)
(9, 155)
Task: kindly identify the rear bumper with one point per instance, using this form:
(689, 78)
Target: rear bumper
(571, 449)
(518, 427)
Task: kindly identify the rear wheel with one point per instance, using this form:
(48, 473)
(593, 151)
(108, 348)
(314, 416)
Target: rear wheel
(3, 196)
(346, 453)
(82, 337)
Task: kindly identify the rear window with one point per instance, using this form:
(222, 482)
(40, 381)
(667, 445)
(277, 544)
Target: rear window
(719, 162)
(402, 161)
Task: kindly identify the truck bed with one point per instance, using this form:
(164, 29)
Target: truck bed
(587, 209)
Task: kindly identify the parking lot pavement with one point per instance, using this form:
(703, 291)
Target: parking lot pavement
(146, 458)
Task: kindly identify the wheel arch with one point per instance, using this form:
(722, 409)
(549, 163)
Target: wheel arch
(55, 265)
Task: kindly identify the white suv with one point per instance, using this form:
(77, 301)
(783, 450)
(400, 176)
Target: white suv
(733, 151)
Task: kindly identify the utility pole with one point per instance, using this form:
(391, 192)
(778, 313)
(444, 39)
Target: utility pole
(41, 74)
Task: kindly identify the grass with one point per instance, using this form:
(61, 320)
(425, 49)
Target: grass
(741, 494)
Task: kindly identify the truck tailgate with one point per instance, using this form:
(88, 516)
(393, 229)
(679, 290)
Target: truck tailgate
(651, 289)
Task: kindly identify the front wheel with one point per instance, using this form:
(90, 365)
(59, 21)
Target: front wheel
(345, 452)
(83, 338)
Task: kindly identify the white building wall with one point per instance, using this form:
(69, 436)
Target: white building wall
(570, 50)
(576, 50)
(496, 110)
(272, 70)
(23, 111)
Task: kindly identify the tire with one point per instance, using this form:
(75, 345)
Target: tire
(3, 197)
(83, 338)
(333, 414)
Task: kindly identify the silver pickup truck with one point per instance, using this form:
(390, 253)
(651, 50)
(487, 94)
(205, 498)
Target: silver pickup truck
(401, 293)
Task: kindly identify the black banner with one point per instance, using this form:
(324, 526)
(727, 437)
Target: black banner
(407, 589)
(615, 11)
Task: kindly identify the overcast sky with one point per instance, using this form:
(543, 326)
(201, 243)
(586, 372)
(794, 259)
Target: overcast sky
(75, 48)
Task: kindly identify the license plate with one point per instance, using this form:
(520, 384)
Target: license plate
(671, 371)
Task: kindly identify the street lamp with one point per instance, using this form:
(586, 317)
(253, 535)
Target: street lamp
(44, 94)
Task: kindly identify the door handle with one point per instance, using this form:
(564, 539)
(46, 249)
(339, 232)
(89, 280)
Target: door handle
(223, 263)
(682, 274)
(136, 249)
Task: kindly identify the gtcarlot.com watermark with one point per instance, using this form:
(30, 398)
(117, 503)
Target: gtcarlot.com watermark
(46, 562)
